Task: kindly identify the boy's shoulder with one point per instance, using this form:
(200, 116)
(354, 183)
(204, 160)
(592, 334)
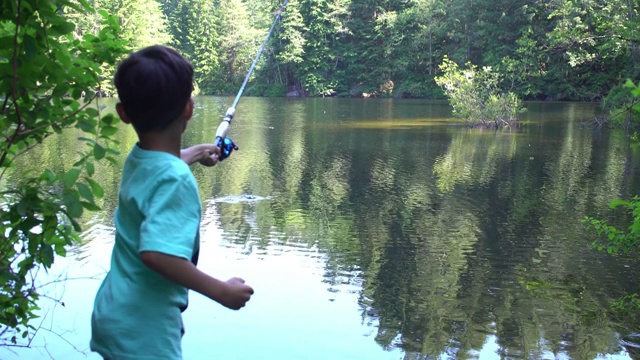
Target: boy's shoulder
(155, 166)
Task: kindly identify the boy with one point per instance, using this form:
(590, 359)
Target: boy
(137, 310)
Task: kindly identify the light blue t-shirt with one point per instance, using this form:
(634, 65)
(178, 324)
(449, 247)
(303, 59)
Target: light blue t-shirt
(137, 312)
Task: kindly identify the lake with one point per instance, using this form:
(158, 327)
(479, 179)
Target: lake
(380, 229)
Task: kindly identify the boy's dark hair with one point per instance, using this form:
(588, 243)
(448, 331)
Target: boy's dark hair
(154, 85)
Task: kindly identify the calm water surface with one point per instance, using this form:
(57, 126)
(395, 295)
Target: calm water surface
(378, 229)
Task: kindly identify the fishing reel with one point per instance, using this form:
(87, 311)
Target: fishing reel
(226, 147)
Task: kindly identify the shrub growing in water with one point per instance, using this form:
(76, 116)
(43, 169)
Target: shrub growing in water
(476, 97)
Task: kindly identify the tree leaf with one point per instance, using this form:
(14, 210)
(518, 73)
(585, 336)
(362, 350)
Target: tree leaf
(90, 168)
(85, 192)
(60, 249)
(95, 187)
(90, 206)
(618, 202)
(62, 28)
(75, 209)
(46, 255)
(108, 131)
(99, 152)
(71, 177)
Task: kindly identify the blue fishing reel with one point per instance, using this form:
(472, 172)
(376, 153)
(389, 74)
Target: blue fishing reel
(226, 148)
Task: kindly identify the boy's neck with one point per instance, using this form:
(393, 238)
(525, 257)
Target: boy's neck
(161, 142)
(168, 140)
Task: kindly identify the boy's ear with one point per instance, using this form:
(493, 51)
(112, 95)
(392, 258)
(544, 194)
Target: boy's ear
(187, 113)
(122, 114)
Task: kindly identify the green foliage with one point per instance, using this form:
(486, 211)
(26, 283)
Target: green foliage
(563, 50)
(372, 38)
(475, 95)
(239, 43)
(141, 23)
(50, 81)
(266, 90)
(291, 35)
(591, 47)
(612, 239)
(623, 105)
(416, 89)
(633, 110)
(316, 33)
(417, 56)
(625, 109)
(194, 34)
(627, 305)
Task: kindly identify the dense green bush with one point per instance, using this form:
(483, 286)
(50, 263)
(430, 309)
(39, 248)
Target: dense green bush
(612, 239)
(476, 97)
(49, 81)
(623, 106)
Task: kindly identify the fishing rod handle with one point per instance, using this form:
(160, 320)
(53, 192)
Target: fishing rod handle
(221, 132)
(224, 143)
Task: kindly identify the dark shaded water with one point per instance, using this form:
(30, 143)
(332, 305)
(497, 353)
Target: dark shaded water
(378, 229)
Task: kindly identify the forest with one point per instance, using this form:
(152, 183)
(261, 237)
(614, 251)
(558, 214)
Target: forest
(552, 50)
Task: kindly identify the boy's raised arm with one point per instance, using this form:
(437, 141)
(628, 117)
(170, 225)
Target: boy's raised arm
(205, 154)
(232, 293)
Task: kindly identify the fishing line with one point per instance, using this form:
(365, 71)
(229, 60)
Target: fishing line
(225, 144)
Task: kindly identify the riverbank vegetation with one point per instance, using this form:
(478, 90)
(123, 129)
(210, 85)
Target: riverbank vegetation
(542, 50)
(620, 231)
(539, 50)
(49, 81)
(616, 236)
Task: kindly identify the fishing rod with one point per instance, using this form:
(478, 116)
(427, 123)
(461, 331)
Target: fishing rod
(223, 142)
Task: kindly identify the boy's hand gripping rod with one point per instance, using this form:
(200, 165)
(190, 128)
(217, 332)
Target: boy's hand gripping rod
(223, 142)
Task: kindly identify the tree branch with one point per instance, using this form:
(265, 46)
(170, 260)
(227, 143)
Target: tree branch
(14, 82)
(59, 121)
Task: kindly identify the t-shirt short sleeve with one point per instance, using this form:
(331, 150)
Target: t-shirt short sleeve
(171, 218)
